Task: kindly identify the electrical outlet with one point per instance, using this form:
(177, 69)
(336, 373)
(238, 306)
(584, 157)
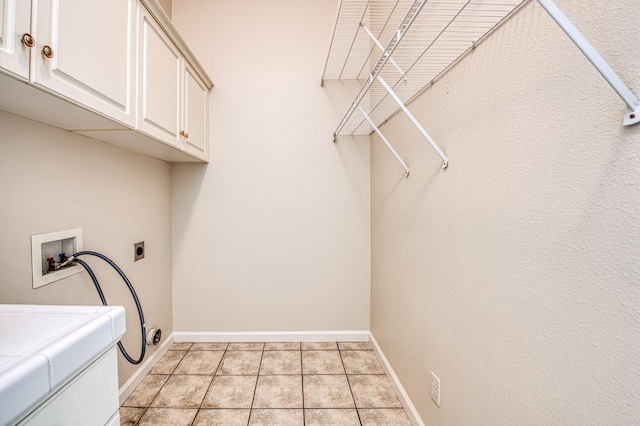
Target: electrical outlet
(138, 251)
(435, 389)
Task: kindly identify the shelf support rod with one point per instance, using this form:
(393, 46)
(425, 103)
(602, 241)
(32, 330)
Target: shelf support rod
(410, 17)
(384, 52)
(445, 160)
(386, 142)
(633, 115)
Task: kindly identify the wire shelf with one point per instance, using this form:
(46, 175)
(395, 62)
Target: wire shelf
(442, 31)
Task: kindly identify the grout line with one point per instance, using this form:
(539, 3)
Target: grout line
(304, 417)
(149, 406)
(143, 413)
(156, 395)
(255, 389)
(349, 384)
(210, 383)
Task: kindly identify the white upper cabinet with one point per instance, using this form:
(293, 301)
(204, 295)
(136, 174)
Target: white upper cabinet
(173, 102)
(113, 70)
(84, 51)
(15, 25)
(159, 96)
(195, 115)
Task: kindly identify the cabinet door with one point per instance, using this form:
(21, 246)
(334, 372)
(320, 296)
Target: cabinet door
(159, 91)
(15, 17)
(195, 115)
(85, 52)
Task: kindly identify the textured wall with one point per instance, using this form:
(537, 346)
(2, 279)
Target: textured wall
(52, 180)
(274, 234)
(514, 274)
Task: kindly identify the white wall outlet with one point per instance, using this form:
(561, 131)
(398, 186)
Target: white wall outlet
(435, 389)
(51, 245)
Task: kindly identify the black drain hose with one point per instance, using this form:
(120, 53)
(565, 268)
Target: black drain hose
(143, 327)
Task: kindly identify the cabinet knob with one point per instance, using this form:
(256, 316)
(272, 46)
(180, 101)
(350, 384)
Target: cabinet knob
(27, 40)
(47, 51)
(184, 134)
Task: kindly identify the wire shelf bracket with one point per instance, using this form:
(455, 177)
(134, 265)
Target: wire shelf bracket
(403, 107)
(386, 142)
(633, 115)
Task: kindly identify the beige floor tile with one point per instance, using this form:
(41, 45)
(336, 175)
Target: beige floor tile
(183, 391)
(319, 346)
(384, 416)
(280, 362)
(199, 362)
(361, 362)
(180, 346)
(222, 417)
(278, 392)
(322, 362)
(355, 346)
(278, 417)
(146, 391)
(168, 362)
(129, 416)
(209, 346)
(329, 391)
(331, 417)
(245, 363)
(230, 392)
(245, 346)
(167, 417)
(373, 392)
(284, 346)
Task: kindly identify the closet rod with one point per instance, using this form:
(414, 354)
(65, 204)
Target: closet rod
(386, 142)
(633, 115)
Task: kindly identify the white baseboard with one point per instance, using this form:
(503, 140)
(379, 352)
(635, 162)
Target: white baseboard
(143, 370)
(409, 408)
(272, 336)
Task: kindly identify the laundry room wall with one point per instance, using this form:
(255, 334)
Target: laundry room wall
(274, 234)
(166, 6)
(513, 274)
(53, 180)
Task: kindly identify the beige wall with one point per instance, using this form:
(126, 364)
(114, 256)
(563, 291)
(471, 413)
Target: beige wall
(166, 6)
(52, 180)
(274, 234)
(513, 274)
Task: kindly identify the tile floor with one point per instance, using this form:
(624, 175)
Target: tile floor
(265, 384)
